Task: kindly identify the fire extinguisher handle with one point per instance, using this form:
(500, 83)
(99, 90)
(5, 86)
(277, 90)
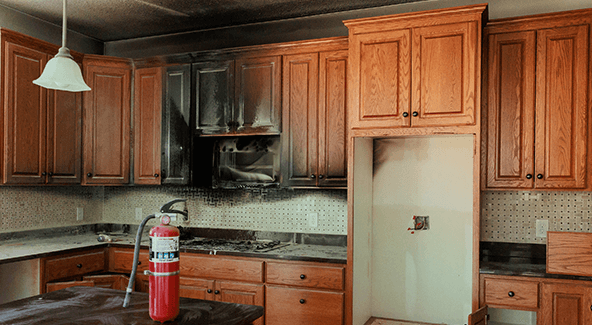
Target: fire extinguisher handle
(167, 207)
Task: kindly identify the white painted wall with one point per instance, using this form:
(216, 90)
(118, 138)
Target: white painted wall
(19, 280)
(425, 276)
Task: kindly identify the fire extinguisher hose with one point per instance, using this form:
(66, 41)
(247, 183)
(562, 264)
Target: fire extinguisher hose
(132, 277)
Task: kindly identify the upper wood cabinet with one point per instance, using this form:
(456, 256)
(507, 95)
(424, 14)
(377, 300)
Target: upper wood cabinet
(314, 119)
(176, 128)
(238, 95)
(106, 125)
(147, 125)
(537, 120)
(42, 128)
(417, 69)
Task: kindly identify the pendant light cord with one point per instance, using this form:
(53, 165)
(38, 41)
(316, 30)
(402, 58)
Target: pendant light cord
(64, 25)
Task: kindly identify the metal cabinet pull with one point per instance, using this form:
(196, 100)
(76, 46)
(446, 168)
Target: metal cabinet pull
(511, 293)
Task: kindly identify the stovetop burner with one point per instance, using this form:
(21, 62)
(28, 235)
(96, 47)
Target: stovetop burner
(232, 245)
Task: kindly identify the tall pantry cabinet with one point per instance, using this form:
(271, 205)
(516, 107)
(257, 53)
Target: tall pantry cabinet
(41, 130)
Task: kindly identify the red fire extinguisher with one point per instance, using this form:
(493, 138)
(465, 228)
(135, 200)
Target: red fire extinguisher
(164, 265)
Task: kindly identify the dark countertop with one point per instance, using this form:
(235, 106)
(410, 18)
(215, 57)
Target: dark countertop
(33, 246)
(93, 306)
(516, 259)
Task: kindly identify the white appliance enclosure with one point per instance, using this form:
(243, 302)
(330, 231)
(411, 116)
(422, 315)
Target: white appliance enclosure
(425, 276)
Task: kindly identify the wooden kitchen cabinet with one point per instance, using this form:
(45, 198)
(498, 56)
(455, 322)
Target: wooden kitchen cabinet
(314, 119)
(415, 70)
(147, 125)
(566, 304)
(510, 293)
(176, 142)
(70, 266)
(239, 95)
(537, 67)
(106, 121)
(42, 133)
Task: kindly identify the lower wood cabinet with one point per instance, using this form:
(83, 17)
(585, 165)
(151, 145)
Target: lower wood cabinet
(287, 306)
(556, 301)
(71, 266)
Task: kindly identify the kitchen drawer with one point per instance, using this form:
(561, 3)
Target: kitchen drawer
(121, 260)
(513, 294)
(290, 306)
(313, 276)
(221, 268)
(66, 266)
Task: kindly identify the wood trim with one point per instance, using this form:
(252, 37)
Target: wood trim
(540, 21)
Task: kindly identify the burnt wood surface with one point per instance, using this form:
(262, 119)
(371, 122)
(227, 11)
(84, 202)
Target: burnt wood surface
(91, 305)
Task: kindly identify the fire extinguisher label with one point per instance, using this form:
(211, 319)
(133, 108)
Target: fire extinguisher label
(164, 249)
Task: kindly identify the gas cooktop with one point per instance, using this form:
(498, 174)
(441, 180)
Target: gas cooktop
(232, 245)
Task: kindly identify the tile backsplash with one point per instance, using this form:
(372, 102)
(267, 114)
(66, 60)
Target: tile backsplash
(278, 210)
(510, 216)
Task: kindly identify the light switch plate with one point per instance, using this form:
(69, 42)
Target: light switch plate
(79, 214)
(542, 226)
(138, 213)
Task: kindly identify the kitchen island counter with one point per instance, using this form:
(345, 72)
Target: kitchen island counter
(92, 305)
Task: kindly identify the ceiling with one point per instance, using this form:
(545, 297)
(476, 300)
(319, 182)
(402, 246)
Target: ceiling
(111, 20)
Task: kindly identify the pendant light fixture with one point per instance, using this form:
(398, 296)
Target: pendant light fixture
(62, 72)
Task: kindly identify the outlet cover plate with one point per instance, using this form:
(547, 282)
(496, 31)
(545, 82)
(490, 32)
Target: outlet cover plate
(542, 226)
(138, 213)
(79, 214)
(313, 219)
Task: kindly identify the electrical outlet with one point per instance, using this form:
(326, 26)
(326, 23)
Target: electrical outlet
(138, 213)
(313, 219)
(542, 226)
(79, 214)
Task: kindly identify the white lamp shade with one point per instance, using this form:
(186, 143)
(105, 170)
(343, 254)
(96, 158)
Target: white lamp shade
(62, 73)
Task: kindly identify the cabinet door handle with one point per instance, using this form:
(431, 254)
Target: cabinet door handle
(156, 175)
(405, 114)
(89, 175)
(312, 176)
(540, 176)
(415, 114)
(79, 266)
(302, 301)
(320, 176)
(302, 276)
(209, 290)
(43, 174)
(511, 294)
(528, 176)
(217, 292)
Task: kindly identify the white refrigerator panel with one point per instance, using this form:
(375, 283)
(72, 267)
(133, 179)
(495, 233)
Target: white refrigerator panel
(423, 276)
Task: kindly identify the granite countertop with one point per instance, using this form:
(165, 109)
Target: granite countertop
(27, 247)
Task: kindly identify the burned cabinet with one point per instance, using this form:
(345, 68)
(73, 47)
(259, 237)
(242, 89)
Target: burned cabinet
(176, 128)
(237, 96)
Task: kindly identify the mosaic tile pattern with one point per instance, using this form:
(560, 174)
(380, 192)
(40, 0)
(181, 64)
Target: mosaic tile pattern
(510, 216)
(279, 210)
(31, 208)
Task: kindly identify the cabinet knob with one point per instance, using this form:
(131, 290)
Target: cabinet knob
(139, 262)
(302, 301)
(320, 176)
(209, 290)
(79, 266)
(415, 114)
(156, 175)
(312, 176)
(511, 294)
(405, 114)
(43, 174)
(50, 174)
(217, 292)
(540, 176)
(89, 175)
(302, 276)
(528, 176)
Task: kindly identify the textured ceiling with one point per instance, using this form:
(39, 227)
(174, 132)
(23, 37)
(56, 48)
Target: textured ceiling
(110, 20)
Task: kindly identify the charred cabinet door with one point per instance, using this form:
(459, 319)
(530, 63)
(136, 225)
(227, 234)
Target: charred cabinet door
(176, 128)
(147, 125)
(299, 139)
(258, 98)
(24, 116)
(214, 96)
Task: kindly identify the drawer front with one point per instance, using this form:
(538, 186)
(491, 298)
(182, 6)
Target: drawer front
(512, 293)
(73, 265)
(221, 268)
(289, 306)
(121, 260)
(323, 277)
